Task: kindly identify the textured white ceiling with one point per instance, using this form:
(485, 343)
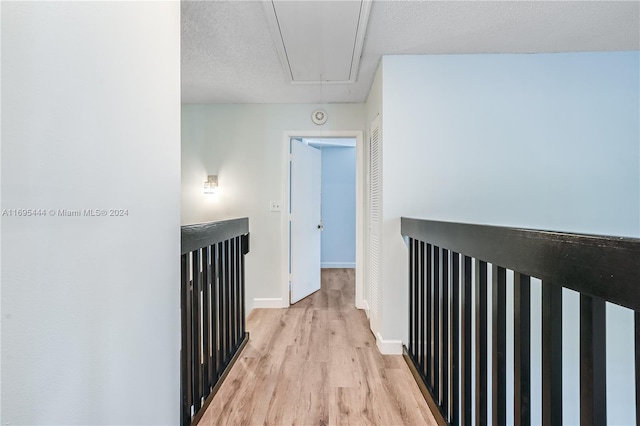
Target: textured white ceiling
(228, 55)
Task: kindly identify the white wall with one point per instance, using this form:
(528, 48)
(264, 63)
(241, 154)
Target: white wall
(540, 141)
(90, 305)
(338, 207)
(244, 145)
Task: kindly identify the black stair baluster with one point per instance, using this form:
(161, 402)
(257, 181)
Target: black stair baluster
(499, 343)
(435, 342)
(446, 362)
(551, 354)
(196, 337)
(412, 309)
(206, 317)
(454, 343)
(522, 349)
(466, 332)
(185, 353)
(420, 317)
(428, 318)
(481, 343)
(636, 317)
(215, 359)
(593, 361)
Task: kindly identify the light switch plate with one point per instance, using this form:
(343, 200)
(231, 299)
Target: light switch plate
(275, 206)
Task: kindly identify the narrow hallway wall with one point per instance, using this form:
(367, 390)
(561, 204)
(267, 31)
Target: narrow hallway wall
(90, 282)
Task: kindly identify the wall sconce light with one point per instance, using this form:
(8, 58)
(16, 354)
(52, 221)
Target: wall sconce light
(211, 184)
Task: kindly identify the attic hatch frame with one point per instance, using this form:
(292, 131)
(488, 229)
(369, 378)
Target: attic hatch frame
(279, 43)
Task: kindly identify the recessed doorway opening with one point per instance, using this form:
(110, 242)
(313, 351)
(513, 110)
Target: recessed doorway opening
(323, 220)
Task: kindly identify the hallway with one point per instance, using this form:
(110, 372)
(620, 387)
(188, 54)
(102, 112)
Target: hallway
(317, 363)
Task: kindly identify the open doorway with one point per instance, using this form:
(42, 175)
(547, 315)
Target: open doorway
(338, 201)
(322, 220)
(342, 210)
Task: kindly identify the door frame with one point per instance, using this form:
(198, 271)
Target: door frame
(360, 207)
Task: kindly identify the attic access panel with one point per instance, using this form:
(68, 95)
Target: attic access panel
(319, 41)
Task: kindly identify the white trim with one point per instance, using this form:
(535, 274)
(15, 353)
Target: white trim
(267, 303)
(360, 207)
(388, 347)
(274, 29)
(330, 265)
(365, 10)
(361, 214)
(364, 305)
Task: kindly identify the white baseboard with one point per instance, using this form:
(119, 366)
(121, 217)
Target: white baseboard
(267, 303)
(365, 307)
(329, 265)
(362, 305)
(388, 347)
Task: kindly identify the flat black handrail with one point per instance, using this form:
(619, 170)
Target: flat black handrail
(212, 304)
(201, 235)
(449, 287)
(601, 266)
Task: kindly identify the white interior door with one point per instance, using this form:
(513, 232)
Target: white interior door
(305, 220)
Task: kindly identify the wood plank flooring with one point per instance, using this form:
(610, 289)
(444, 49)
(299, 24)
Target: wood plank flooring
(317, 363)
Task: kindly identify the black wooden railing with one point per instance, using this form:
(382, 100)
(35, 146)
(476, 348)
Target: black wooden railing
(212, 309)
(439, 352)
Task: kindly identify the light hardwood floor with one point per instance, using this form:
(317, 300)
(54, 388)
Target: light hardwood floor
(317, 363)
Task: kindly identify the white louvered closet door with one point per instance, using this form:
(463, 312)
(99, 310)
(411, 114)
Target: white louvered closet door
(375, 225)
